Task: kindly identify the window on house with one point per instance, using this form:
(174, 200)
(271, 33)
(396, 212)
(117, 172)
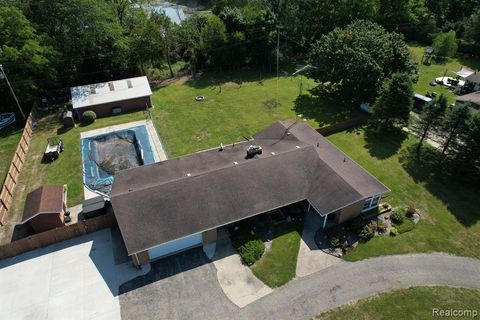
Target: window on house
(367, 203)
(375, 201)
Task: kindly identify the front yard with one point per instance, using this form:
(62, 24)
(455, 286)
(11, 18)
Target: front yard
(449, 210)
(412, 303)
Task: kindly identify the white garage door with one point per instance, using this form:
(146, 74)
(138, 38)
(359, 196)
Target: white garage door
(176, 246)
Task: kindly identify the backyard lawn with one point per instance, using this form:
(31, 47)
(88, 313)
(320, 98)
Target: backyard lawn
(8, 144)
(67, 169)
(437, 69)
(449, 210)
(411, 303)
(236, 104)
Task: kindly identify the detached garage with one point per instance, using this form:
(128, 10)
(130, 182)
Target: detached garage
(114, 97)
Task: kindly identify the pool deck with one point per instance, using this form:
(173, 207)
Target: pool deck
(155, 143)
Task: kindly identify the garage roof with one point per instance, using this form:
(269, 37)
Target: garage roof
(43, 200)
(164, 201)
(113, 91)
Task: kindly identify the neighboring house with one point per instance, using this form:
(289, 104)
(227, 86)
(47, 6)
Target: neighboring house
(45, 208)
(474, 80)
(179, 203)
(473, 98)
(114, 97)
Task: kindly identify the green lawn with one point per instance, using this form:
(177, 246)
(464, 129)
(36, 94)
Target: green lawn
(449, 210)
(437, 69)
(411, 303)
(8, 144)
(236, 104)
(278, 265)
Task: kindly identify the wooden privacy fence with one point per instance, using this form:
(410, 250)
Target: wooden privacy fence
(340, 126)
(16, 165)
(56, 235)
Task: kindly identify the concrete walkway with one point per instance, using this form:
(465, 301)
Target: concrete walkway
(310, 258)
(73, 279)
(236, 279)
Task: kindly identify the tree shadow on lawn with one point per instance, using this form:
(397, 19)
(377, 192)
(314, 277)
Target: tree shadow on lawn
(460, 198)
(209, 79)
(324, 111)
(381, 145)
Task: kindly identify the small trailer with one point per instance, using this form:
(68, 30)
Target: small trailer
(53, 149)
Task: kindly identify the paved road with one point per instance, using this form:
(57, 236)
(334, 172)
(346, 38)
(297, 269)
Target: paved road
(195, 294)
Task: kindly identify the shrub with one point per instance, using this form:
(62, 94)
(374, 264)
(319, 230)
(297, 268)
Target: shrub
(393, 232)
(381, 226)
(368, 231)
(355, 225)
(336, 242)
(405, 226)
(251, 251)
(397, 216)
(89, 116)
(410, 211)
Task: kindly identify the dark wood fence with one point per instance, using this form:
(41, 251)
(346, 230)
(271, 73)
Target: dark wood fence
(56, 235)
(341, 126)
(16, 165)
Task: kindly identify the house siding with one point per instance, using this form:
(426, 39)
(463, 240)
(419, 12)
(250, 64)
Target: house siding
(349, 212)
(105, 110)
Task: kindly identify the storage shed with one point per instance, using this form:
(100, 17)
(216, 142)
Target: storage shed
(45, 208)
(114, 97)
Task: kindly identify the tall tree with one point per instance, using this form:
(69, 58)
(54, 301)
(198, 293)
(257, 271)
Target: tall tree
(472, 27)
(26, 56)
(445, 44)
(352, 63)
(431, 117)
(453, 124)
(392, 107)
(468, 155)
(88, 35)
(213, 39)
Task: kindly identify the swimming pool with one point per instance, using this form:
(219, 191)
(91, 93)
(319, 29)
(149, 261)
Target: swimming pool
(105, 154)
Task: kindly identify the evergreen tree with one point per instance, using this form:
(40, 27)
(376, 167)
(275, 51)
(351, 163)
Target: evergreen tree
(392, 106)
(431, 117)
(454, 122)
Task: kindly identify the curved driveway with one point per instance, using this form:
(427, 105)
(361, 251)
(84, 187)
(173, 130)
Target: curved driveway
(308, 296)
(302, 298)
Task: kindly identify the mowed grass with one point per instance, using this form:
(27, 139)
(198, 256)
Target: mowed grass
(8, 144)
(236, 105)
(67, 169)
(411, 303)
(436, 69)
(278, 265)
(449, 210)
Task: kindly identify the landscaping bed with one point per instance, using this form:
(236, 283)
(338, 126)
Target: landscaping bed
(342, 239)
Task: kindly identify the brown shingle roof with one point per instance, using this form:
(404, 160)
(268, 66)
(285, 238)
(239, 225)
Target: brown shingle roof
(44, 200)
(473, 97)
(474, 77)
(164, 201)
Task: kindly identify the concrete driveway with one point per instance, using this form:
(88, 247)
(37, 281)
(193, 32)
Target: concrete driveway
(73, 279)
(235, 278)
(310, 258)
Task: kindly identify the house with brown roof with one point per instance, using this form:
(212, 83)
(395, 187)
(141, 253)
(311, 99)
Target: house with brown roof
(170, 206)
(474, 80)
(45, 208)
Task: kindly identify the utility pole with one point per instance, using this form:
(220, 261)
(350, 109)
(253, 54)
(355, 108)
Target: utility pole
(278, 55)
(3, 75)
